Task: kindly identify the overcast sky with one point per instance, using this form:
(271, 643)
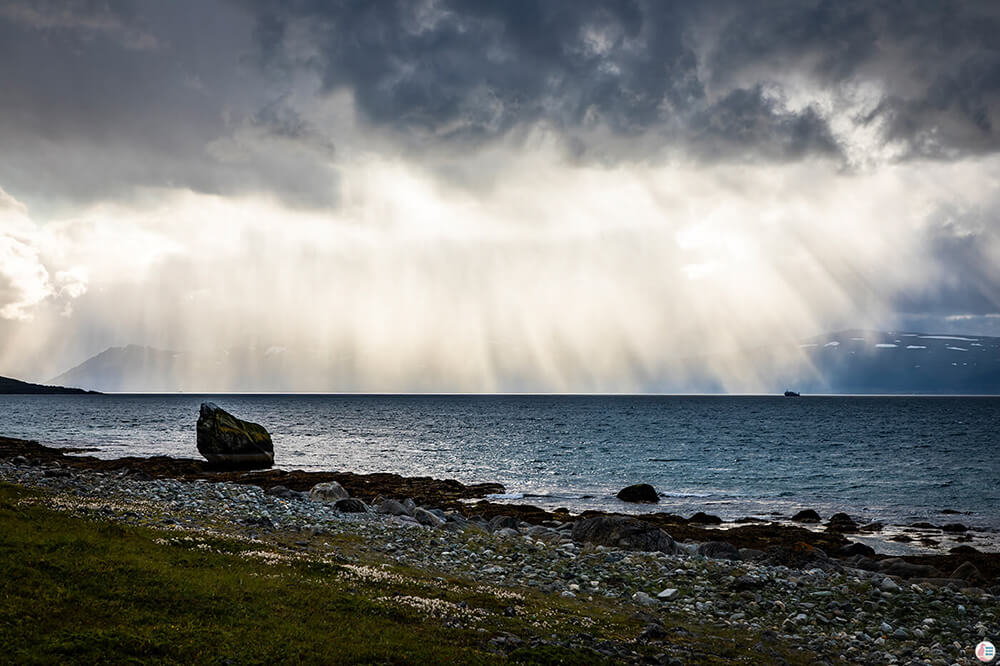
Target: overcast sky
(493, 195)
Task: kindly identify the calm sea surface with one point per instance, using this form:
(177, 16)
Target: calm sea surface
(893, 458)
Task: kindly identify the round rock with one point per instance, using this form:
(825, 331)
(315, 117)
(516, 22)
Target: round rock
(639, 493)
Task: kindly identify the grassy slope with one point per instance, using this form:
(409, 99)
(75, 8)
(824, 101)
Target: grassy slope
(79, 590)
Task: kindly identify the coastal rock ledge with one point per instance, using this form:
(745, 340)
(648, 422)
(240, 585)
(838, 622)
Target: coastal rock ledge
(232, 443)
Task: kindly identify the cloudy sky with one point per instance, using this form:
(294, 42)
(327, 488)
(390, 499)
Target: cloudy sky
(474, 195)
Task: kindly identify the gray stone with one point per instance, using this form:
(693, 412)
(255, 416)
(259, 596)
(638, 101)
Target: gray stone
(232, 443)
(282, 492)
(644, 599)
(669, 594)
(351, 505)
(719, 550)
(425, 517)
(623, 532)
(889, 585)
(501, 522)
(407, 521)
(331, 491)
(903, 569)
(393, 508)
(968, 571)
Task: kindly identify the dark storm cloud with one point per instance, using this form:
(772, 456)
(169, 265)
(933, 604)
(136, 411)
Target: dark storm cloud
(102, 96)
(938, 63)
(964, 277)
(687, 74)
(475, 70)
(99, 98)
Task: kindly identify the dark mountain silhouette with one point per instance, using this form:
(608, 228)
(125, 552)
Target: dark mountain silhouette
(15, 386)
(131, 369)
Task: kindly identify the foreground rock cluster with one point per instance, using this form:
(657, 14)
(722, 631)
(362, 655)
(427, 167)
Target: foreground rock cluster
(854, 611)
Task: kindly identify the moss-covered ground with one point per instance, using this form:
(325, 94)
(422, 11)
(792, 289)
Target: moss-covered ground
(81, 590)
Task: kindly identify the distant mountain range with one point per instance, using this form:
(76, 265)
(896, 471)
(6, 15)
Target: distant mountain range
(861, 362)
(866, 362)
(852, 361)
(15, 386)
(129, 369)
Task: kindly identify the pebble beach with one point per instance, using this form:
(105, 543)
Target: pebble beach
(824, 606)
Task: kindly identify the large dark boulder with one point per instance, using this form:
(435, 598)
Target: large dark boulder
(705, 519)
(640, 492)
(841, 522)
(623, 532)
(232, 443)
(806, 516)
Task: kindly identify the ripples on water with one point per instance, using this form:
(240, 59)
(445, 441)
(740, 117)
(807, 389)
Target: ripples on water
(897, 458)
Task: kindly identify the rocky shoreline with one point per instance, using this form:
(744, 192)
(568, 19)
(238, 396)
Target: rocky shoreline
(814, 589)
(469, 500)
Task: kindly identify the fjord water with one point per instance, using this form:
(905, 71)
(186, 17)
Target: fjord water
(892, 458)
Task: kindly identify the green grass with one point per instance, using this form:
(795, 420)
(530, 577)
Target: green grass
(89, 591)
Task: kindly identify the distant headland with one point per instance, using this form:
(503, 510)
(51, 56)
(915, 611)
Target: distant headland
(10, 386)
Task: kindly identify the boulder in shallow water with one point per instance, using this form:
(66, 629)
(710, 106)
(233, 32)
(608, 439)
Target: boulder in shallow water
(623, 532)
(841, 522)
(232, 443)
(705, 519)
(640, 492)
(331, 491)
(806, 516)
